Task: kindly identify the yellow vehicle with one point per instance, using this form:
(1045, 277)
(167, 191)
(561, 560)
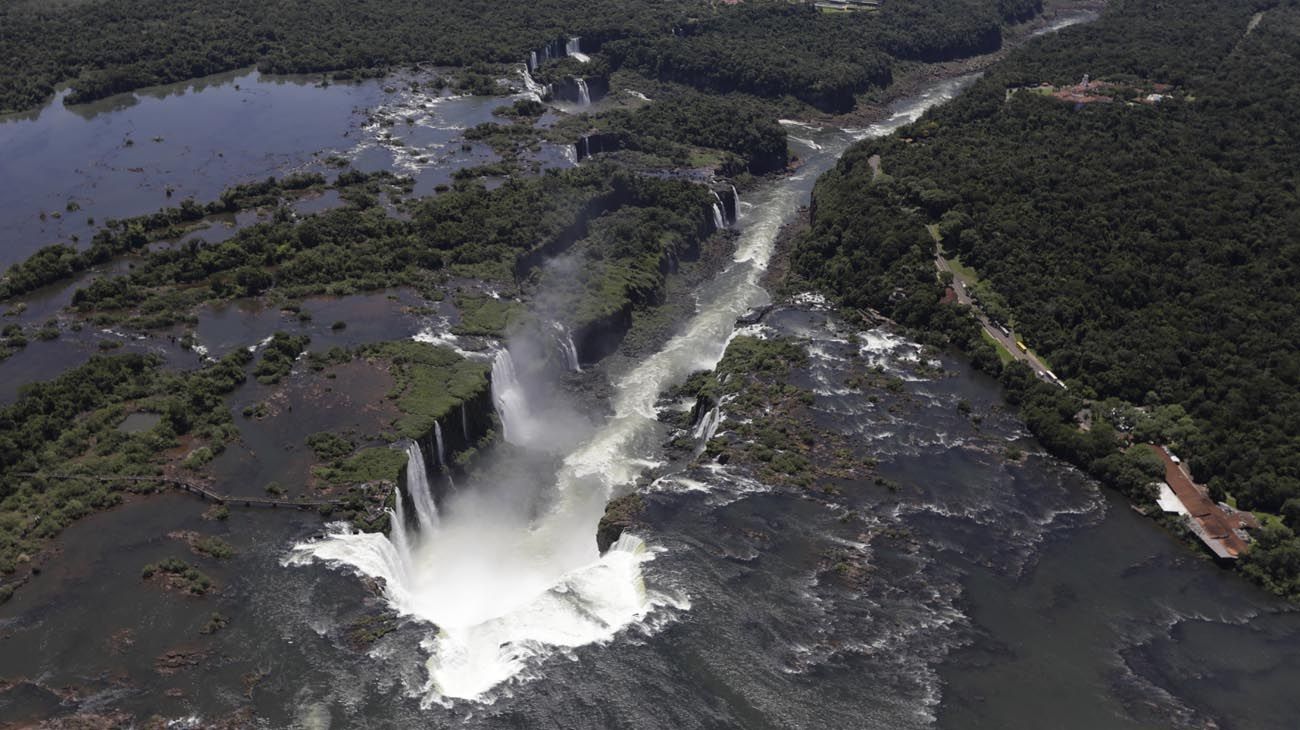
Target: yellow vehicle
(1021, 344)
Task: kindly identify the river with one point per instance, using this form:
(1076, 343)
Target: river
(984, 592)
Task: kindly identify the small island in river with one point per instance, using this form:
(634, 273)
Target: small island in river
(680, 364)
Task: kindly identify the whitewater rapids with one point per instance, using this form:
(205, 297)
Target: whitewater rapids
(505, 586)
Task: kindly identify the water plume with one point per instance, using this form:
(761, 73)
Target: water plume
(506, 570)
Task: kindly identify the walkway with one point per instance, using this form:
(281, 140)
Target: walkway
(1215, 527)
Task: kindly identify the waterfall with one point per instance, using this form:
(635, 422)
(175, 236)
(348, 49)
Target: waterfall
(735, 200)
(573, 49)
(508, 397)
(538, 90)
(567, 348)
(719, 211)
(708, 424)
(507, 584)
(437, 435)
(532, 60)
(584, 97)
(417, 485)
(707, 427)
(397, 529)
(464, 423)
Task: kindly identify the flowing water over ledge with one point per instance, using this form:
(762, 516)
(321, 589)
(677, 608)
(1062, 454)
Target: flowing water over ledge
(506, 582)
(981, 593)
(117, 158)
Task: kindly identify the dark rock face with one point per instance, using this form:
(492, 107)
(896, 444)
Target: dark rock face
(599, 338)
(703, 404)
(597, 142)
(464, 429)
(567, 89)
(730, 203)
(620, 515)
(754, 316)
(769, 160)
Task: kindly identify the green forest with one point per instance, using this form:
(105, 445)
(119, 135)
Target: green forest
(1145, 245)
(770, 48)
(671, 127)
(501, 234)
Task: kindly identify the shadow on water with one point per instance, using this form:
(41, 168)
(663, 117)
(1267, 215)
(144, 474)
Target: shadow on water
(981, 592)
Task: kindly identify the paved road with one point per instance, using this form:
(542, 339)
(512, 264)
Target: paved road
(961, 286)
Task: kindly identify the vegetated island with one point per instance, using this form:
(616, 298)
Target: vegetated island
(632, 214)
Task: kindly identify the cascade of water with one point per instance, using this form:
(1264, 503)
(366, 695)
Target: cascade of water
(464, 423)
(567, 348)
(584, 96)
(437, 435)
(573, 49)
(504, 583)
(508, 397)
(708, 424)
(538, 90)
(735, 200)
(719, 214)
(397, 528)
(532, 60)
(417, 485)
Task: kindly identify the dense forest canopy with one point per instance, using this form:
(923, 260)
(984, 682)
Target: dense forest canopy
(1146, 246)
(736, 124)
(108, 46)
(768, 47)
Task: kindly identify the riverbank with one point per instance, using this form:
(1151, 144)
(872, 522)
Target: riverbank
(1130, 364)
(294, 626)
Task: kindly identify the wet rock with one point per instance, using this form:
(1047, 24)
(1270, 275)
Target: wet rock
(254, 678)
(175, 660)
(754, 316)
(89, 721)
(848, 567)
(121, 640)
(238, 720)
(368, 629)
(620, 514)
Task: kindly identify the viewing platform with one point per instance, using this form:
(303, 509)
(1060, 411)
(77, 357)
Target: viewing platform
(1220, 527)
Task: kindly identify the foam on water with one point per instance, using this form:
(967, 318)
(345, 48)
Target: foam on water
(506, 586)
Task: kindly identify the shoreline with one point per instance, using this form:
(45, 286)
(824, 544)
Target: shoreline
(657, 328)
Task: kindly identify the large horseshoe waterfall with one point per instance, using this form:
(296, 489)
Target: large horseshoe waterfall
(506, 572)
